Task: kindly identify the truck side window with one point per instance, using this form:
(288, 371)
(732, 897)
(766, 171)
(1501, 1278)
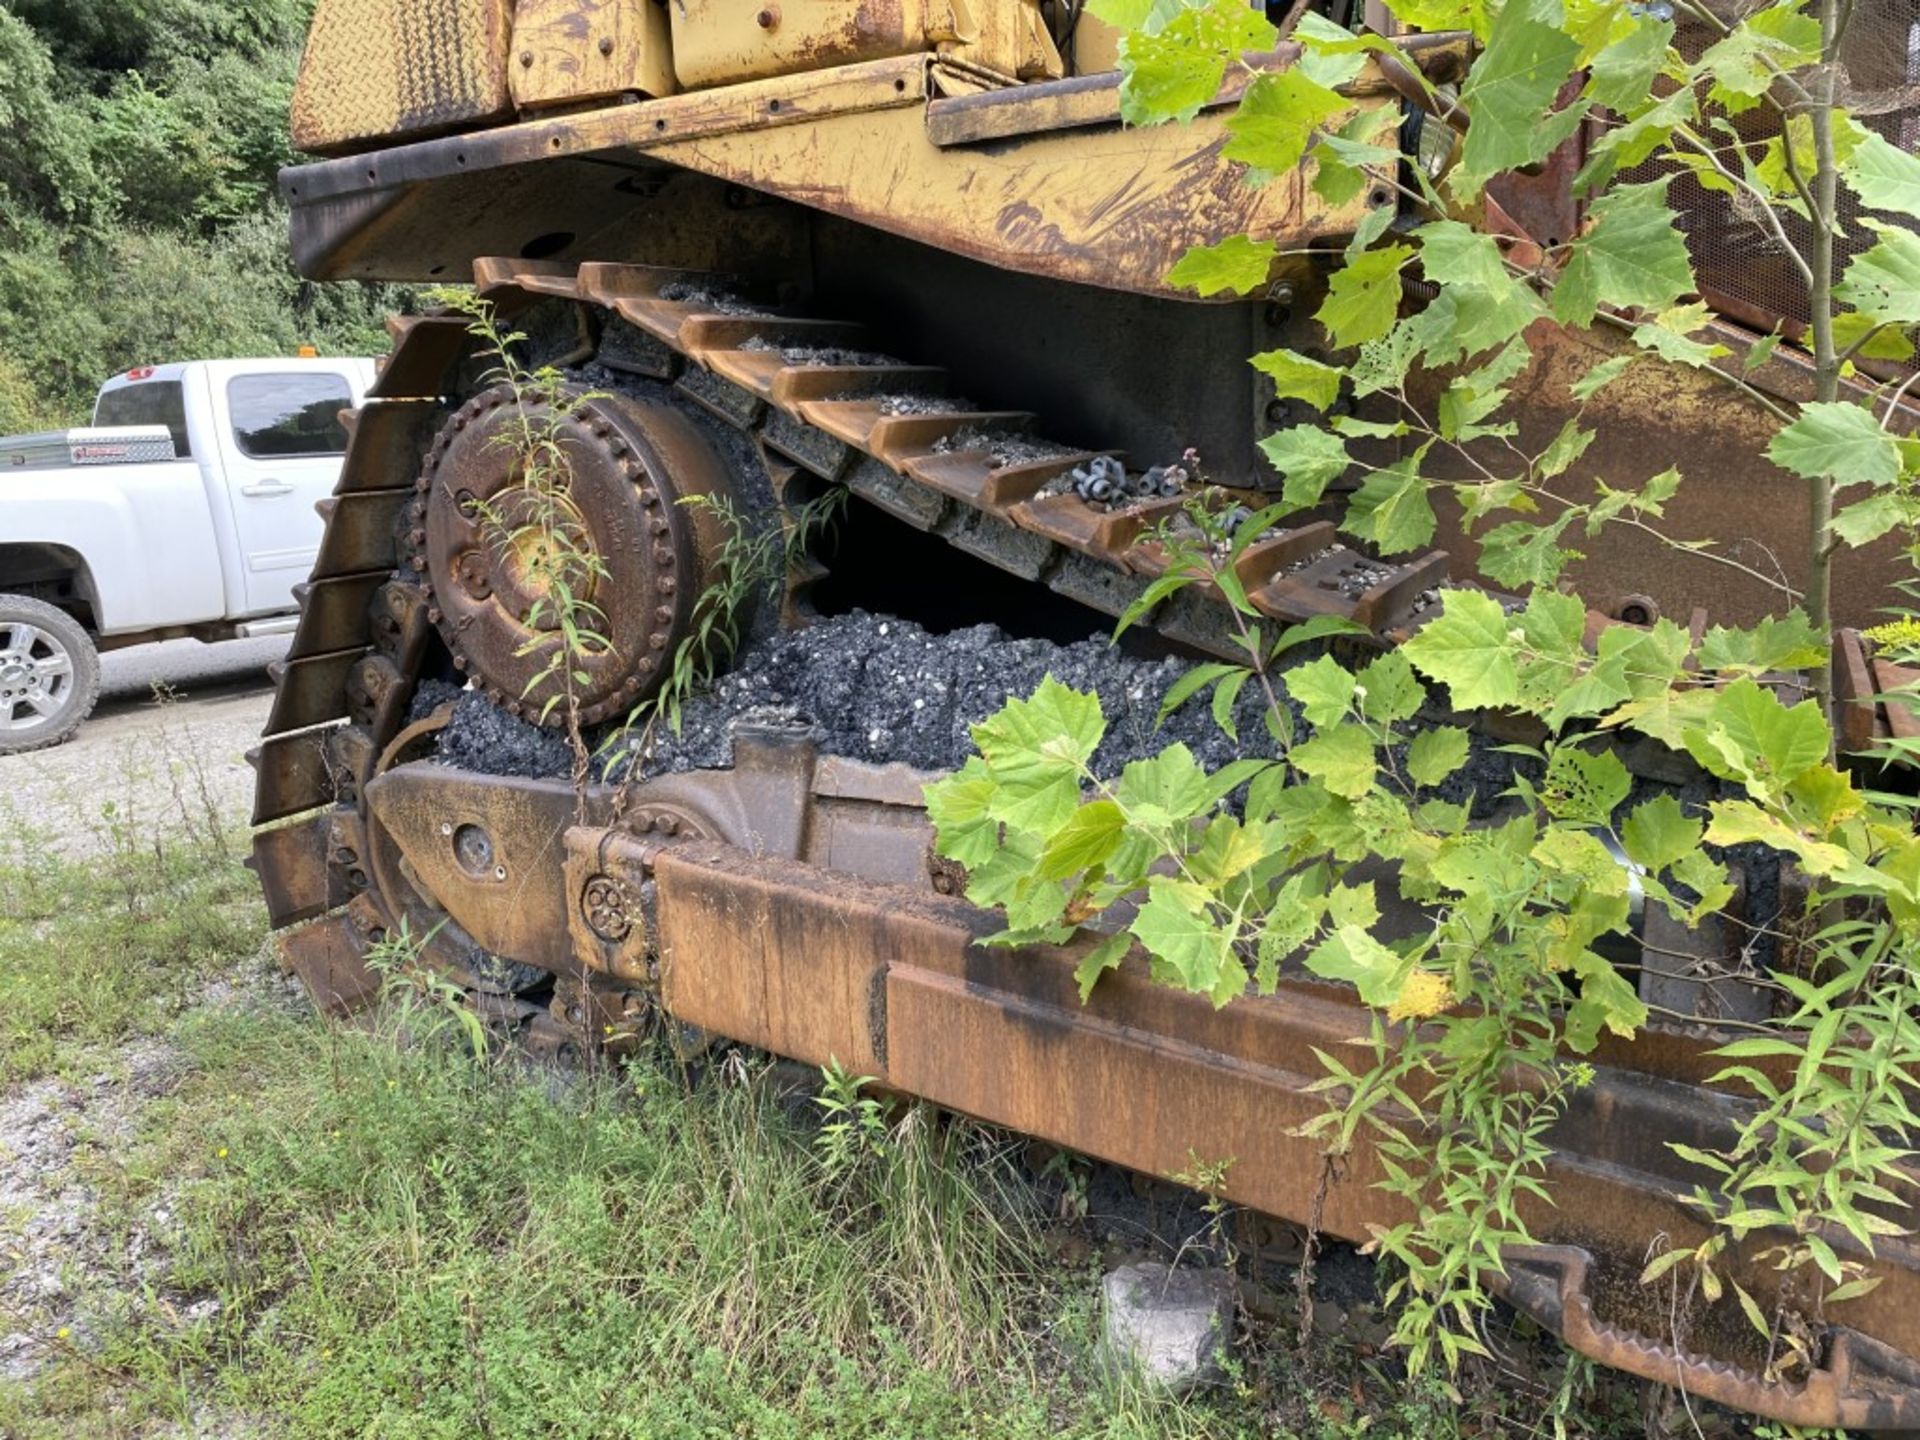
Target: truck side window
(275, 416)
(147, 402)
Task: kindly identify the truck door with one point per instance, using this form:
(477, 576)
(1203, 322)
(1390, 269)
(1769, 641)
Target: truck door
(281, 444)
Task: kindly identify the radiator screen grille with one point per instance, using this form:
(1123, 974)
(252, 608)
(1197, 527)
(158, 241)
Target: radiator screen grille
(1740, 265)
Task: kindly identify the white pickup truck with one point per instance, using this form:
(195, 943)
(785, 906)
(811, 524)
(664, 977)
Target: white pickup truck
(187, 509)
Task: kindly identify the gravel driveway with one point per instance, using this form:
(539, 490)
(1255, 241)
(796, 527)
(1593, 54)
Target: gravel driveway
(147, 755)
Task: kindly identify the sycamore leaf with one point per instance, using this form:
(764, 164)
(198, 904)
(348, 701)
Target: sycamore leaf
(1309, 458)
(1510, 92)
(1867, 520)
(1568, 446)
(1552, 645)
(1169, 73)
(1883, 282)
(1884, 176)
(1481, 498)
(1179, 929)
(1665, 714)
(1740, 822)
(1877, 341)
(1105, 956)
(1839, 440)
(1236, 263)
(1749, 736)
(1035, 750)
(1363, 298)
(1352, 955)
(1057, 722)
(1432, 14)
(1743, 63)
(1649, 499)
(1522, 555)
(1455, 254)
(1435, 754)
(1759, 353)
(1121, 14)
(1086, 841)
(1467, 648)
(1658, 833)
(1606, 1000)
(1277, 119)
(1391, 508)
(1670, 336)
(1584, 787)
(1707, 878)
(1783, 642)
(1341, 758)
(1632, 255)
(1601, 376)
(1289, 924)
(1322, 688)
(1164, 789)
(1296, 377)
(1387, 690)
(1599, 687)
(1621, 76)
(959, 807)
(1343, 157)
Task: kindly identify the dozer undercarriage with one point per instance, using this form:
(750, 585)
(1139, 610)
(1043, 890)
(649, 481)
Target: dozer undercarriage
(929, 271)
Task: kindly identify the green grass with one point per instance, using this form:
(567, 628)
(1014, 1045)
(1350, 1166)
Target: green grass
(405, 1241)
(98, 950)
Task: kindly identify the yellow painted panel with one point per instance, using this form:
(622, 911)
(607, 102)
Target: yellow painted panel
(376, 71)
(720, 42)
(566, 52)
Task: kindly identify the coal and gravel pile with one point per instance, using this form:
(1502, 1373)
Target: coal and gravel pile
(881, 689)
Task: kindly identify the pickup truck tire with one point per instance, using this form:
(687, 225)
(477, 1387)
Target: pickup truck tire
(49, 674)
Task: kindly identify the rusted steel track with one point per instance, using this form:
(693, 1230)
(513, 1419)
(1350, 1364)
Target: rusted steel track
(790, 902)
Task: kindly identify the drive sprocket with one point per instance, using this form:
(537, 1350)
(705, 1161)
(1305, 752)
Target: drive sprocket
(530, 506)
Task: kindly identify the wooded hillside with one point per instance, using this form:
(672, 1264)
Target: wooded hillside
(139, 141)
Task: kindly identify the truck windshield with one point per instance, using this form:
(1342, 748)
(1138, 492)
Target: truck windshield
(281, 415)
(149, 402)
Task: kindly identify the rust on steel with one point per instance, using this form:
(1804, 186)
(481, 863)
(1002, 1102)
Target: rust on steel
(607, 527)
(1091, 202)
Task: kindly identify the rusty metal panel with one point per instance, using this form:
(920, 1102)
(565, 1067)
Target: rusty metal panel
(384, 70)
(425, 350)
(490, 850)
(312, 690)
(742, 955)
(388, 438)
(1655, 416)
(291, 861)
(333, 613)
(326, 956)
(294, 772)
(359, 534)
(1101, 205)
(570, 52)
(814, 966)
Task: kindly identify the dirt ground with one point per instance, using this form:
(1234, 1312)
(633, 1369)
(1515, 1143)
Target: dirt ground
(144, 753)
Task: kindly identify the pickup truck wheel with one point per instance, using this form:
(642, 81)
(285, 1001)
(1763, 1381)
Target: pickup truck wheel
(49, 674)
